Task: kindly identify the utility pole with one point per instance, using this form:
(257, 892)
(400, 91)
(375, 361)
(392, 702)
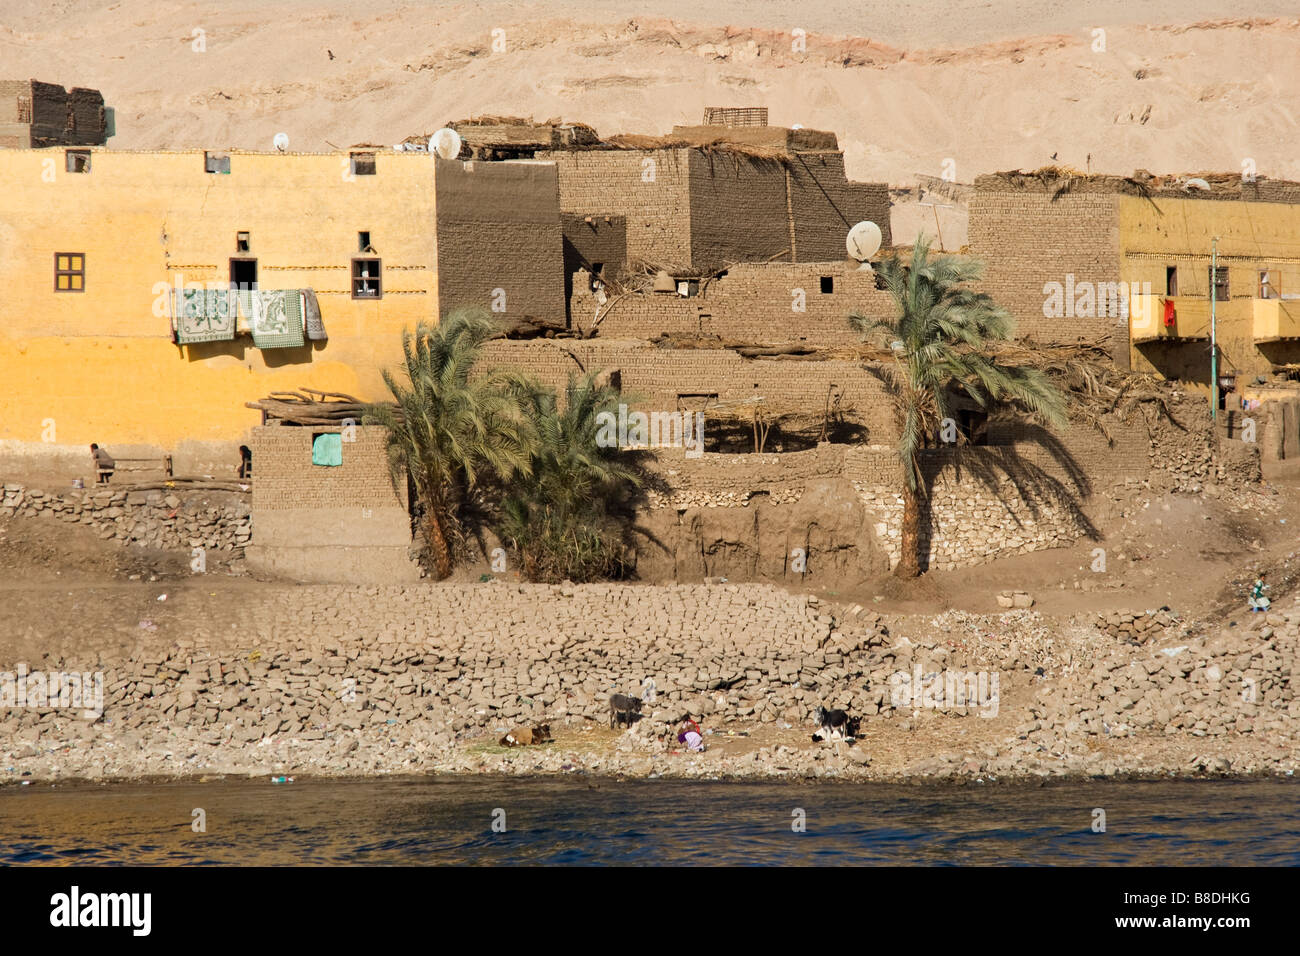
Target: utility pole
(1214, 345)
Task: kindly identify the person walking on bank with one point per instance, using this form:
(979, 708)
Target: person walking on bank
(1257, 600)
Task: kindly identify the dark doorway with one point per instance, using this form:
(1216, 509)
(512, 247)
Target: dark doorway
(243, 273)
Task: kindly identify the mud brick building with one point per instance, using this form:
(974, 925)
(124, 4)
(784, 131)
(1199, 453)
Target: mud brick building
(323, 522)
(1108, 253)
(35, 115)
(724, 194)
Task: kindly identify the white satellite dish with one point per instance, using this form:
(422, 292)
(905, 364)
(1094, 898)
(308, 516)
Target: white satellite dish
(281, 141)
(797, 126)
(446, 143)
(863, 242)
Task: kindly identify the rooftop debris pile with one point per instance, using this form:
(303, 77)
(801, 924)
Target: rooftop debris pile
(1060, 180)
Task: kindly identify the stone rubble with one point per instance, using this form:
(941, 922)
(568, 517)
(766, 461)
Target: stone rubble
(176, 520)
(356, 681)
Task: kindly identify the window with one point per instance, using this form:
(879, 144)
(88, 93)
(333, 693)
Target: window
(216, 163)
(363, 242)
(363, 164)
(24, 109)
(242, 241)
(1219, 276)
(828, 285)
(1266, 288)
(77, 160)
(243, 274)
(1171, 280)
(365, 279)
(69, 272)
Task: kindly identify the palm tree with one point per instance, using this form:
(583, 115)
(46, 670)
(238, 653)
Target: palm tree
(447, 430)
(569, 516)
(940, 338)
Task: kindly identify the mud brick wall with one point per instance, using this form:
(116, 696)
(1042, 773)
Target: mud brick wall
(1026, 238)
(286, 479)
(498, 227)
(738, 209)
(658, 376)
(610, 182)
(322, 523)
(706, 209)
(752, 303)
(57, 117)
(14, 133)
(741, 210)
(87, 109)
(602, 240)
(826, 205)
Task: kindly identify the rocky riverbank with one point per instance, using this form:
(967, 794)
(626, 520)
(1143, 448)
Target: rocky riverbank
(369, 681)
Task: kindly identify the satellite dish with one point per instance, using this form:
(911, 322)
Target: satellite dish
(797, 126)
(446, 143)
(281, 141)
(863, 242)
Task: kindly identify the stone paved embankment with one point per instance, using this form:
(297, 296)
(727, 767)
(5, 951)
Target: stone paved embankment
(338, 680)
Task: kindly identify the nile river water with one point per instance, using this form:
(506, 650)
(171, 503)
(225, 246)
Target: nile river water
(585, 820)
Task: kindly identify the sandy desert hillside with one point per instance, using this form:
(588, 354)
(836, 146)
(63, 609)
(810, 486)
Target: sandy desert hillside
(906, 85)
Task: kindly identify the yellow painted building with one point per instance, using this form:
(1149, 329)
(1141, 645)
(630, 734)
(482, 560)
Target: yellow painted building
(92, 240)
(1165, 246)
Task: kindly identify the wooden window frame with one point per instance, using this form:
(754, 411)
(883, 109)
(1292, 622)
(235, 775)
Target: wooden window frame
(377, 279)
(70, 272)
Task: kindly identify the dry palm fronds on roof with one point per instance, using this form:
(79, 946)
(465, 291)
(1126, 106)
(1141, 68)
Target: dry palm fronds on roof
(1063, 179)
(718, 147)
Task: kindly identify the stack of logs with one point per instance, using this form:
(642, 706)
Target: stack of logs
(309, 406)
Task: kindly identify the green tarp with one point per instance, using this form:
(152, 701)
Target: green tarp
(327, 449)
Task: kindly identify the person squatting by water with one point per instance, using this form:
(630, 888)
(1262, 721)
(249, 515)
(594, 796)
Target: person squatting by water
(689, 734)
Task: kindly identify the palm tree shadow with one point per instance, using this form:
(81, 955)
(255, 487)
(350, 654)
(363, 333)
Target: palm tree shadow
(994, 467)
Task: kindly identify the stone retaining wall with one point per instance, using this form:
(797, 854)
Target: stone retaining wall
(216, 521)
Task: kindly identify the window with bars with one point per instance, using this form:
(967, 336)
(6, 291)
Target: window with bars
(69, 272)
(366, 282)
(1219, 278)
(24, 109)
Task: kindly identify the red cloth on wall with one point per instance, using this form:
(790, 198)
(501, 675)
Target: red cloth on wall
(1169, 313)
